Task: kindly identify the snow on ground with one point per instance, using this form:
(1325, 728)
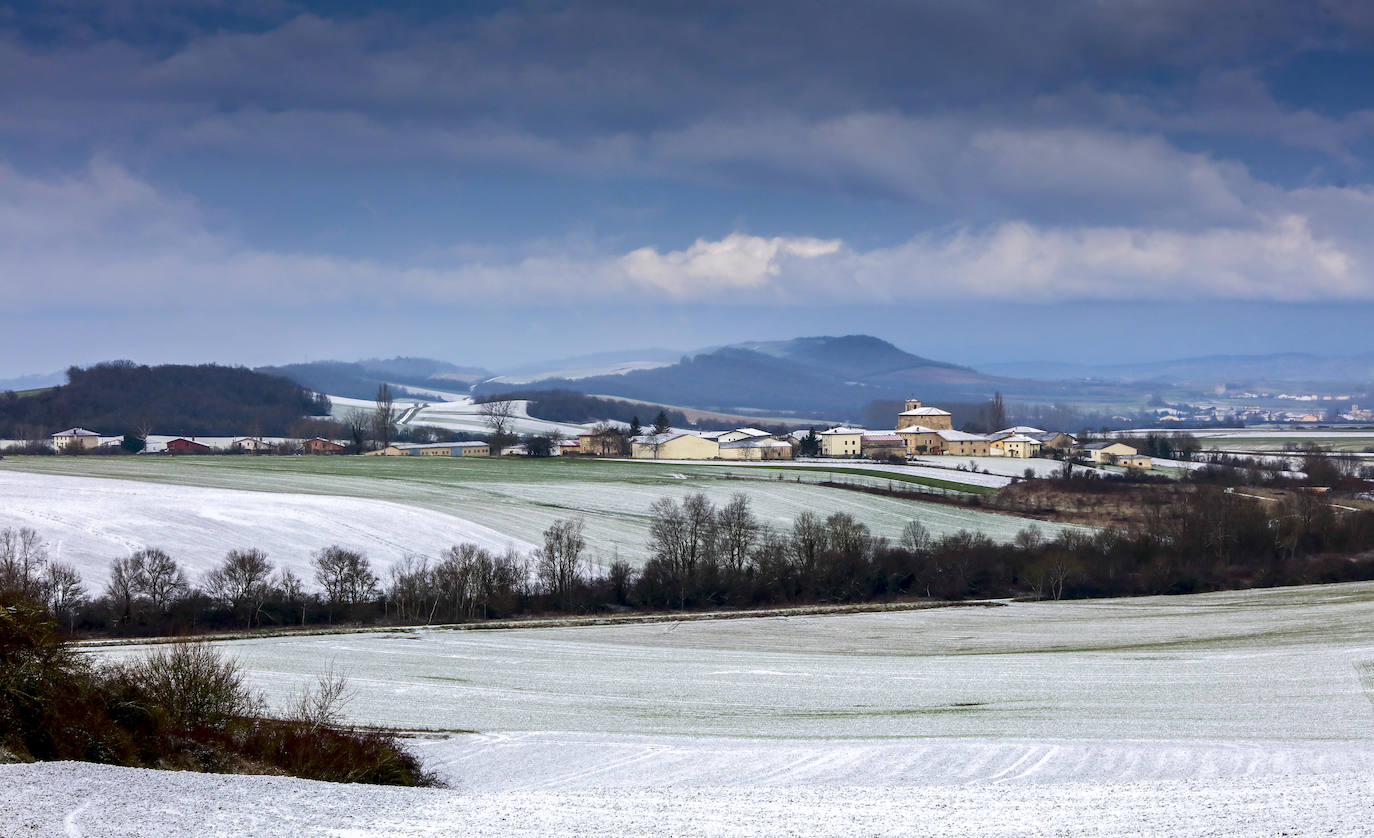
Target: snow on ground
(1002, 466)
(1248, 666)
(88, 522)
(518, 499)
(464, 415)
(76, 799)
(1229, 714)
(939, 471)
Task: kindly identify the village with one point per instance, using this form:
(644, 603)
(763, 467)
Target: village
(919, 431)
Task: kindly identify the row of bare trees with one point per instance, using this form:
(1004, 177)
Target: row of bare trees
(705, 556)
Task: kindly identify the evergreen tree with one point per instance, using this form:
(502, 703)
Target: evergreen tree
(661, 423)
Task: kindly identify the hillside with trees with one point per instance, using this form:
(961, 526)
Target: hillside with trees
(360, 379)
(567, 406)
(123, 397)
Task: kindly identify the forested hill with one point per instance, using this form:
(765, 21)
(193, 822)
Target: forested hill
(120, 397)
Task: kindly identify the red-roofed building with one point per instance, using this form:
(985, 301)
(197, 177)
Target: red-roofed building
(320, 445)
(182, 445)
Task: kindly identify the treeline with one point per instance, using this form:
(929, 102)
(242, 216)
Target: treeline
(704, 556)
(122, 397)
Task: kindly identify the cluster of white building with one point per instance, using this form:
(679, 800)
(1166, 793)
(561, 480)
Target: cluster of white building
(923, 430)
(920, 430)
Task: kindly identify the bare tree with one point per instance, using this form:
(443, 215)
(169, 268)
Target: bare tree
(241, 582)
(807, 542)
(360, 424)
(915, 537)
(411, 594)
(323, 704)
(384, 416)
(738, 529)
(122, 587)
(159, 578)
(345, 575)
(499, 416)
(289, 588)
(559, 560)
(23, 555)
(63, 592)
(683, 538)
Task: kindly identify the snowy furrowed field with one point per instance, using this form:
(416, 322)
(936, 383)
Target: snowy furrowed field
(87, 522)
(1231, 714)
(94, 509)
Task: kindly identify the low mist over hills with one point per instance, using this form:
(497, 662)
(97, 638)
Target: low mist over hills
(359, 379)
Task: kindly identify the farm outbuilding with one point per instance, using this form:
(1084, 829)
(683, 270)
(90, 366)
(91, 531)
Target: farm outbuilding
(674, 446)
(602, 442)
(320, 445)
(920, 439)
(389, 451)
(449, 449)
(883, 446)
(756, 448)
(182, 445)
(961, 444)
(1136, 461)
(1105, 453)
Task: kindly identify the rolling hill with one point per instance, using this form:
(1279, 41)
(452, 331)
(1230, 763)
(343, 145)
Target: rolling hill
(804, 377)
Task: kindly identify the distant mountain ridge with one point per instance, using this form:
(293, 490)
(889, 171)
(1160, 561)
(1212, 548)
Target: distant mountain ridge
(1209, 371)
(835, 376)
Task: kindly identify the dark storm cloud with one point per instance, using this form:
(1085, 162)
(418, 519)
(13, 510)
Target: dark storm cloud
(1092, 148)
(603, 68)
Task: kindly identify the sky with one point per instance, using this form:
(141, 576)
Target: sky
(492, 184)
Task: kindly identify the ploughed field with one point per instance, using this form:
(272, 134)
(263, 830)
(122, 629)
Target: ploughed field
(1236, 713)
(93, 509)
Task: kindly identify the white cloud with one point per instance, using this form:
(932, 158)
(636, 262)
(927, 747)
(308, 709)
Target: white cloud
(106, 239)
(735, 263)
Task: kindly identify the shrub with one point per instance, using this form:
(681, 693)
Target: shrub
(189, 685)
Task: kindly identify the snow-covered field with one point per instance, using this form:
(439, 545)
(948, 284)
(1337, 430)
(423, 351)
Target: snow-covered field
(464, 415)
(93, 509)
(1231, 714)
(88, 522)
(93, 801)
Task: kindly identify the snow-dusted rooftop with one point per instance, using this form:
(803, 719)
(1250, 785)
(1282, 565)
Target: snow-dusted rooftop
(925, 411)
(76, 432)
(756, 442)
(1021, 429)
(960, 436)
(916, 429)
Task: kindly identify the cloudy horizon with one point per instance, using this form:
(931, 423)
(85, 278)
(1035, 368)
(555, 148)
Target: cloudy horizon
(277, 181)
